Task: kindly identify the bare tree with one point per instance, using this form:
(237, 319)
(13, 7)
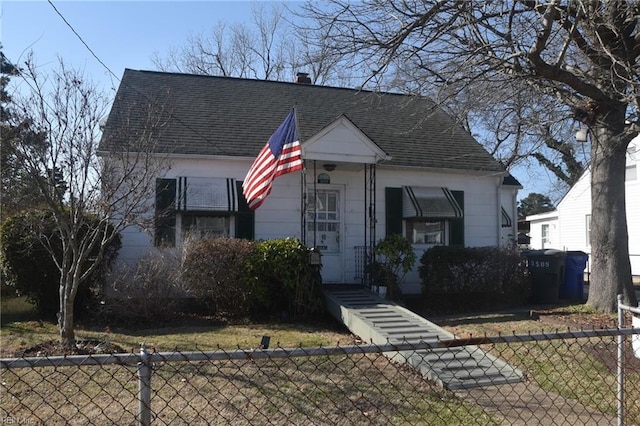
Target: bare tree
(270, 47)
(516, 125)
(114, 190)
(16, 186)
(304, 52)
(253, 50)
(579, 54)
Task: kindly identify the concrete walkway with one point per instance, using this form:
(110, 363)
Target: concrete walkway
(525, 404)
(472, 374)
(381, 321)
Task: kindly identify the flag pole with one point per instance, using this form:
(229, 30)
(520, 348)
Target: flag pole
(303, 185)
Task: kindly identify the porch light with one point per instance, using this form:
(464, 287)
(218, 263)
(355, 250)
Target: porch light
(329, 167)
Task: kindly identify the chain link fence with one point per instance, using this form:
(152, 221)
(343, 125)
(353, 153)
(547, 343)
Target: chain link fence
(568, 378)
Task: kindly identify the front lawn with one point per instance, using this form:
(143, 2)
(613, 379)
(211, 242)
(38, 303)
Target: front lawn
(21, 330)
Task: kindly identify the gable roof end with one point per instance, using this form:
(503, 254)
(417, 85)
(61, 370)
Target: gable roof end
(342, 140)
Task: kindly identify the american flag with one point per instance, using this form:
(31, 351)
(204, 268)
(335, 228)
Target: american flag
(281, 155)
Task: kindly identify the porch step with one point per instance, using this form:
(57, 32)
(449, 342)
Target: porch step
(381, 321)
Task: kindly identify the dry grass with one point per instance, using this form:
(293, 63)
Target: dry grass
(20, 330)
(355, 389)
(582, 370)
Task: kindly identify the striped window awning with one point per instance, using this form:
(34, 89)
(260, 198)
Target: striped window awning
(429, 202)
(506, 219)
(207, 194)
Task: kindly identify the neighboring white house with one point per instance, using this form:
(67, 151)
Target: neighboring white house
(375, 164)
(568, 227)
(543, 230)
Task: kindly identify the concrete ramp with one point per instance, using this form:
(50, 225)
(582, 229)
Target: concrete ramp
(381, 321)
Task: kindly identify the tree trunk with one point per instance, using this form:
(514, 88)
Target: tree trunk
(610, 265)
(65, 316)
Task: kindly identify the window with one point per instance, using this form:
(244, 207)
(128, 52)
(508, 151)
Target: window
(420, 231)
(323, 178)
(588, 229)
(631, 169)
(427, 213)
(323, 220)
(546, 237)
(205, 226)
(202, 208)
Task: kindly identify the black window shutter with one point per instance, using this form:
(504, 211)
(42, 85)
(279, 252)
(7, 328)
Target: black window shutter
(165, 217)
(245, 219)
(456, 228)
(393, 210)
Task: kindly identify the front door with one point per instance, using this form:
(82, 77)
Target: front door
(324, 230)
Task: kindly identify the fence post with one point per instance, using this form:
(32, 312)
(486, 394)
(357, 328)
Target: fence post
(144, 388)
(620, 363)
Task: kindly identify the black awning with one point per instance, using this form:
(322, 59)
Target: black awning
(429, 202)
(207, 194)
(506, 219)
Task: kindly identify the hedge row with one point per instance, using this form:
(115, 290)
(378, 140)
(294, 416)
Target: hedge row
(473, 278)
(230, 279)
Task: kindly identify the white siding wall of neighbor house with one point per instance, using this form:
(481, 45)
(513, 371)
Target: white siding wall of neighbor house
(544, 231)
(572, 213)
(574, 210)
(633, 221)
(632, 187)
(279, 216)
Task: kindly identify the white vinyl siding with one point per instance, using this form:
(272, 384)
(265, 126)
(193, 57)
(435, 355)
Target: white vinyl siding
(280, 215)
(575, 209)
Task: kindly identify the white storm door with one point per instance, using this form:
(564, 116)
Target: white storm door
(324, 231)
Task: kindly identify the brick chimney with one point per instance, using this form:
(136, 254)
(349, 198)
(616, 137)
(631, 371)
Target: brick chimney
(303, 78)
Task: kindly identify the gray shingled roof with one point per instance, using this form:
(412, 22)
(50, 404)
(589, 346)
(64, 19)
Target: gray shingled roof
(235, 117)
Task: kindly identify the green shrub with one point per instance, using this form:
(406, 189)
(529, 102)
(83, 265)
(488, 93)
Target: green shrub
(254, 280)
(474, 275)
(31, 269)
(216, 269)
(286, 284)
(394, 258)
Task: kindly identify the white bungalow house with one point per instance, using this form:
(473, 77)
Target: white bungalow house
(375, 164)
(567, 227)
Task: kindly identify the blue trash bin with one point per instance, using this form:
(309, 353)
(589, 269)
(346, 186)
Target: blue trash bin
(572, 287)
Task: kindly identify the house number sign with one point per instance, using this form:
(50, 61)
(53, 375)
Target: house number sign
(540, 263)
